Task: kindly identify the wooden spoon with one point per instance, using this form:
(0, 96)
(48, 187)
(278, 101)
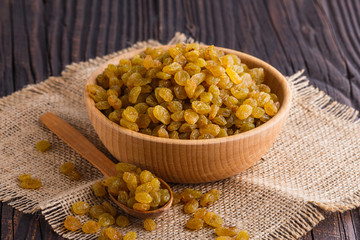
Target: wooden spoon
(86, 149)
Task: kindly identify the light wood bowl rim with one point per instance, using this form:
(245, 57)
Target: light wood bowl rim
(282, 113)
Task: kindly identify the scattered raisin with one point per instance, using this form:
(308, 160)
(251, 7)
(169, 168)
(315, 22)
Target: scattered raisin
(130, 236)
(72, 223)
(213, 219)
(80, 208)
(194, 223)
(91, 227)
(122, 221)
(43, 145)
(149, 224)
(243, 235)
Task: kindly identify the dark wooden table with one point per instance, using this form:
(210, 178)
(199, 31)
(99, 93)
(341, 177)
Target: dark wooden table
(38, 38)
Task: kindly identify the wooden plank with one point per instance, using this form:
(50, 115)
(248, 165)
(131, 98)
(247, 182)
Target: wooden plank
(6, 48)
(34, 24)
(26, 226)
(47, 233)
(102, 31)
(79, 26)
(329, 229)
(113, 17)
(7, 231)
(355, 218)
(53, 21)
(91, 41)
(342, 17)
(68, 11)
(23, 74)
(347, 225)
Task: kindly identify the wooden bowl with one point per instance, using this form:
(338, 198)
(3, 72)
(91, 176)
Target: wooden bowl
(193, 161)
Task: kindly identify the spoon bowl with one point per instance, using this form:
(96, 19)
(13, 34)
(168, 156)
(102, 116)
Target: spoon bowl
(87, 150)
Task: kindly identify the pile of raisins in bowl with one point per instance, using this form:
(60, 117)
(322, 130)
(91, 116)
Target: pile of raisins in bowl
(186, 92)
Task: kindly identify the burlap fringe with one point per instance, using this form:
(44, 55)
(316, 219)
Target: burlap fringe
(21, 203)
(299, 224)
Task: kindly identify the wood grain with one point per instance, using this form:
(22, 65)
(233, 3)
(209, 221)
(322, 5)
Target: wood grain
(38, 38)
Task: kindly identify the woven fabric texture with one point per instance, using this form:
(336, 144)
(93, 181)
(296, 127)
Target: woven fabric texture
(313, 164)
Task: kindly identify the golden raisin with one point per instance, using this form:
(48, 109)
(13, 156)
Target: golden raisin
(24, 177)
(130, 114)
(146, 176)
(161, 114)
(166, 94)
(270, 108)
(194, 223)
(143, 197)
(72, 223)
(30, 183)
(200, 213)
(181, 77)
(109, 208)
(226, 231)
(243, 235)
(43, 145)
(106, 219)
(191, 206)
(91, 227)
(189, 194)
(244, 111)
(80, 208)
(141, 206)
(130, 236)
(96, 210)
(125, 167)
(200, 107)
(149, 224)
(122, 221)
(190, 116)
(113, 234)
(176, 198)
(213, 219)
(74, 175)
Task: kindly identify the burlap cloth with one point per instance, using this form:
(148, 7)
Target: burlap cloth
(313, 164)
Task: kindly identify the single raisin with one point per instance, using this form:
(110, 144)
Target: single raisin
(194, 223)
(91, 227)
(149, 224)
(80, 208)
(72, 223)
(122, 221)
(43, 145)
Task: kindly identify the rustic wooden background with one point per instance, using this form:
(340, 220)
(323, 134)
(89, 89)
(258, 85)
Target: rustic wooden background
(39, 38)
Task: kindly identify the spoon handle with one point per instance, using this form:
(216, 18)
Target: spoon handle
(79, 143)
